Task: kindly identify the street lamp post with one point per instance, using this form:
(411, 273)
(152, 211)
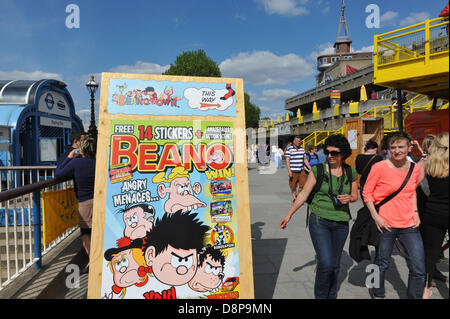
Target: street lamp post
(92, 88)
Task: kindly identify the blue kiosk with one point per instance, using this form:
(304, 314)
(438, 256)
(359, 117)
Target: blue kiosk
(36, 118)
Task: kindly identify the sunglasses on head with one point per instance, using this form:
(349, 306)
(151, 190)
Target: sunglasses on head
(332, 153)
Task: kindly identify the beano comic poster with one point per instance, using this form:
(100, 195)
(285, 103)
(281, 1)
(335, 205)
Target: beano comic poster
(170, 224)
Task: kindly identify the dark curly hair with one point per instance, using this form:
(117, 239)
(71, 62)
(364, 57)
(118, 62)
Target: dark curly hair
(370, 145)
(341, 143)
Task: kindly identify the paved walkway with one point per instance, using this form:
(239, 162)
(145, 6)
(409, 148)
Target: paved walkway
(283, 260)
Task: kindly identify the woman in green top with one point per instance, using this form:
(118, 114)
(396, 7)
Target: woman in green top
(328, 223)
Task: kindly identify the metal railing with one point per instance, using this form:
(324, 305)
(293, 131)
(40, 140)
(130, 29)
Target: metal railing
(387, 112)
(416, 104)
(417, 41)
(21, 219)
(317, 137)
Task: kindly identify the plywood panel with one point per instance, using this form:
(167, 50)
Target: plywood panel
(150, 106)
(353, 132)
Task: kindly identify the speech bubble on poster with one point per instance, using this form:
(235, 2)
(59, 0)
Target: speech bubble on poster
(171, 204)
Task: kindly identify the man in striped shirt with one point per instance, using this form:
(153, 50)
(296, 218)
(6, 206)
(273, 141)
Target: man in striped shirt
(296, 163)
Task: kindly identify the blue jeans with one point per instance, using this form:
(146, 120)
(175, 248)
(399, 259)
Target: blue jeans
(328, 238)
(411, 240)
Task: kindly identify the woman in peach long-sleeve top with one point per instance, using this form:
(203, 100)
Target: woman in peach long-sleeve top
(398, 218)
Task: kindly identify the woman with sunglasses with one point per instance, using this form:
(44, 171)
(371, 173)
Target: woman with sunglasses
(330, 213)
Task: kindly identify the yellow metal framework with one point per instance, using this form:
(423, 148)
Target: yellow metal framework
(317, 137)
(414, 58)
(387, 112)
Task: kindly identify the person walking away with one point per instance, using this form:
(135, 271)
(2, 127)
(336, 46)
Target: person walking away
(330, 212)
(436, 216)
(364, 162)
(83, 170)
(320, 154)
(397, 218)
(297, 164)
(279, 157)
(384, 153)
(273, 151)
(312, 157)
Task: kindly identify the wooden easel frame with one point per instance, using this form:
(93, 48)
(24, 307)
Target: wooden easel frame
(241, 175)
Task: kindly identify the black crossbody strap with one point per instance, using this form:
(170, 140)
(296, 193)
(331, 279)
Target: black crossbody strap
(367, 165)
(408, 176)
(345, 171)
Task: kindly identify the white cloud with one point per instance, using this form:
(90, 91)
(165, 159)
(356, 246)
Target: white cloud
(388, 18)
(324, 48)
(240, 16)
(141, 67)
(35, 75)
(284, 7)
(272, 95)
(84, 114)
(368, 48)
(326, 9)
(272, 113)
(414, 18)
(266, 68)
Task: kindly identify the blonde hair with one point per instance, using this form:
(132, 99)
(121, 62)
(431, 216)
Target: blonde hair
(426, 143)
(437, 162)
(178, 171)
(88, 147)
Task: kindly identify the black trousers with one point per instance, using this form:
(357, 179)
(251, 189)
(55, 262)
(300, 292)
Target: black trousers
(433, 230)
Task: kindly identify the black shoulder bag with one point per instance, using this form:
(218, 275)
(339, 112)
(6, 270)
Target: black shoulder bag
(408, 176)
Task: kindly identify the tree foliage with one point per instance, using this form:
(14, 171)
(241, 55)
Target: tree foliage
(252, 112)
(194, 63)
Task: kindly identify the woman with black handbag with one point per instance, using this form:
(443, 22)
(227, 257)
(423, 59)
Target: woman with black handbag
(390, 196)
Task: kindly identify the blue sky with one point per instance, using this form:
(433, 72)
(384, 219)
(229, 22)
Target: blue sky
(271, 44)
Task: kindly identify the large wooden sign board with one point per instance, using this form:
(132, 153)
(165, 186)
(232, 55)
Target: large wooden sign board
(171, 205)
